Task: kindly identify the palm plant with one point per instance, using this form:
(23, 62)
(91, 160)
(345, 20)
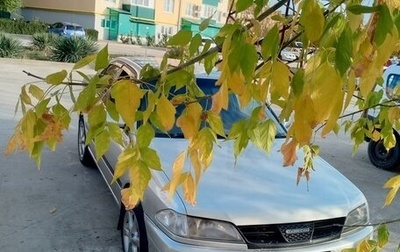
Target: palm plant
(72, 49)
(9, 47)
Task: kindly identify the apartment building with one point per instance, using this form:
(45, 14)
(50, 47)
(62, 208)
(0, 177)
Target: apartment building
(115, 18)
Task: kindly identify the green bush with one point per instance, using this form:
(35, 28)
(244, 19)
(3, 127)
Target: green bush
(9, 47)
(43, 41)
(72, 49)
(20, 26)
(92, 34)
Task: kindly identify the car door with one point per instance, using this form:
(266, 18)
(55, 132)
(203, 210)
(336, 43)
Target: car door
(110, 158)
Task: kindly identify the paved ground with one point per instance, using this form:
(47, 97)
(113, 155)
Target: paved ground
(66, 207)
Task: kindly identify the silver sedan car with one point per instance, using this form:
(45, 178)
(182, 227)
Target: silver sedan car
(251, 205)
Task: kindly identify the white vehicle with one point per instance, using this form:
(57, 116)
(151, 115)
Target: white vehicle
(253, 205)
(377, 152)
(288, 55)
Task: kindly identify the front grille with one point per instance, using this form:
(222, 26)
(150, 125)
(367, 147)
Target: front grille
(292, 234)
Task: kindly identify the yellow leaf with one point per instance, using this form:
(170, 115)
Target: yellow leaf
(394, 184)
(394, 114)
(24, 96)
(312, 19)
(166, 111)
(189, 190)
(304, 119)
(127, 97)
(124, 162)
(139, 177)
(350, 88)
(280, 79)
(194, 158)
(189, 120)
(129, 198)
(289, 150)
(176, 172)
(236, 82)
(16, 142)
(220, 99)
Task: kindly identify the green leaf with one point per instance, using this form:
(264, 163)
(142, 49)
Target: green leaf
(270, 44)
(312, 19)
(240, 137)
(24, 96)
(87, 96)
(215, 122)
(195, 44)
(61, 112)
(101, 59)
(384, 25)
(84, 62)
(209, 62)
(144, 135)
(97, 116)
(249, 58)
(115, 132)
(298, 82)
(242, 5)
(56, 78)
(112, 110)
(205, 23)
(151, 158)
(102, 143)
(41, 107)
(344, 51)
(182, 38)
(36, 92)
(383, 235)
(263, 135)
(361, 9)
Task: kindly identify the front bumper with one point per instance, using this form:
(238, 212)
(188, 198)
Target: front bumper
(159, 241)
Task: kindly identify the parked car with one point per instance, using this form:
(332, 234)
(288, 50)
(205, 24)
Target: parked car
(253, 204)
(288, 55)
(66, 29)
(377, 152)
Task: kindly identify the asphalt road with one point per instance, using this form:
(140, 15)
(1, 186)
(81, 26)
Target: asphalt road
(67, 207)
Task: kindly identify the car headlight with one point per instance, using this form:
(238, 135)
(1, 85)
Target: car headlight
(356, 218)
(198, 228)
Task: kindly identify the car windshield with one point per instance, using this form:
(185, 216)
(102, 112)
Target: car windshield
(79, 28)
(233, 114)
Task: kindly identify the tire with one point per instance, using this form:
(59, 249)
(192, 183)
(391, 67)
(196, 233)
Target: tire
(84, 155)
(383, 159)
(133, 230)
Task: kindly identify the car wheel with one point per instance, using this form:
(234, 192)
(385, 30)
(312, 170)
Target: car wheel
(382, 158)
(84, 155)
(133, 231)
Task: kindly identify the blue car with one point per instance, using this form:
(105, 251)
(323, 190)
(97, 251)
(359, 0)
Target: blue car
(67, 29)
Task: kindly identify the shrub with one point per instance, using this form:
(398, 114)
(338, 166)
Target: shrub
(92, 34)
(9, 47)
(20, 26)
(43, 41)
(162, 41)
(72, 49)
(138, 40)
(150, 41)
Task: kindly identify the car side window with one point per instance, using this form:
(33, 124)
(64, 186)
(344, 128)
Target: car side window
(392, 85)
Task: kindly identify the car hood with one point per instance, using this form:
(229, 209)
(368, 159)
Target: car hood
(257, 189)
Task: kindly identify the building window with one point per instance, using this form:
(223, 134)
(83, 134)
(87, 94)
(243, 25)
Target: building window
(169, 5)
(105, 23)
(189, 9)
(141, 2)
(167, 30)
(208, 11)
